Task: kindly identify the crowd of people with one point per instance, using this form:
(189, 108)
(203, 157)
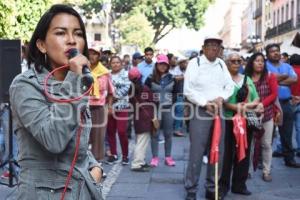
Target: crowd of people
(157, 96)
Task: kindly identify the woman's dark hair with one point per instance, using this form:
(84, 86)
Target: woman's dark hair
(115, 57)
(295, 59)
(156, 75)
(249, 70)
(34, 54)
(269, 46)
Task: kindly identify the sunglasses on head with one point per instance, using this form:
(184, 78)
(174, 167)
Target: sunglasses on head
(236, 61)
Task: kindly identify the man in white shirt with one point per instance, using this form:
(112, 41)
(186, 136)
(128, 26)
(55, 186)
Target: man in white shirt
(207, 85)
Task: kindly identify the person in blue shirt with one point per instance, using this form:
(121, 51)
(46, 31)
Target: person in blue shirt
(146, 67)
(285, 77)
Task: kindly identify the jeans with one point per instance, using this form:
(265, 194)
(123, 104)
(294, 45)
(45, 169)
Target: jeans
(166, 127)
(286, 131)
(4, 125)
(179, 114)
(297, 126)
(4, 137)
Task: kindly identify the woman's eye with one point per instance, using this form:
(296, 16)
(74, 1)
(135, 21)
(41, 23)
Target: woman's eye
(60, 33)
(79, 33)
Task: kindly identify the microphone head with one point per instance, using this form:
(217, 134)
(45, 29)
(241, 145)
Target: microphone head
(73, 52)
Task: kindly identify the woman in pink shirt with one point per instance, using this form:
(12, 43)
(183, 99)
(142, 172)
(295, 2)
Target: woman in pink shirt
(100, 96)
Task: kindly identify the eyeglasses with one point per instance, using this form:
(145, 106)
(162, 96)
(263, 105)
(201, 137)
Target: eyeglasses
(236, 61)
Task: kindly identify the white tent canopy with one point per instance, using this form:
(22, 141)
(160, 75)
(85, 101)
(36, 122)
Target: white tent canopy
(288, 47)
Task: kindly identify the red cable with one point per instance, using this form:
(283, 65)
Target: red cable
(79, 131)
(62, 100)
(74, 159)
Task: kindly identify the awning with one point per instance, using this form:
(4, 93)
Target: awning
(288, 45)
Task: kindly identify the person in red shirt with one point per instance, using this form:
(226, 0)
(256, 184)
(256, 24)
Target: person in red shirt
(295, 88)
(267, 88)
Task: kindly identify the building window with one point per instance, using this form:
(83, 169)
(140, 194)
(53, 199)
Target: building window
(292, 10)
(287, 12)
(298, 7)
(97, 37)
(278, 17)
(274, 19)
(282, 14)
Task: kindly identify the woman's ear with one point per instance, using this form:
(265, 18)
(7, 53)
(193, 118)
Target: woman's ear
(41, 46)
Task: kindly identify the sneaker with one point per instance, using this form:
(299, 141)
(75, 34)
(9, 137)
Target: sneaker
(169, 161)
(154, 162)
(277, 154)
(5, 175)
(205, 159)
(161, 141)
(112, 159)
(191, 196)
(178, 134)
(125, 161)
(267, 177)
(142, 168)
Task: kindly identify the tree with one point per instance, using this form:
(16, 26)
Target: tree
(19, 18)
(165, 15)
(135, 29)
(7, 19)
(90, 7)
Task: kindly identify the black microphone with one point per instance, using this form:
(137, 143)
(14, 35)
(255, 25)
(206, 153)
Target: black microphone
(87, 79)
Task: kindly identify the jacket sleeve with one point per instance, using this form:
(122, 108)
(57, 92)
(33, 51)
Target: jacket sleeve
(93, 162)
(52, 124)
(274, 91)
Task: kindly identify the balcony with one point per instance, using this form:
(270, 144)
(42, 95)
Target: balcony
(270, 33)
(285, 27)
(281, 29)
(257, 13)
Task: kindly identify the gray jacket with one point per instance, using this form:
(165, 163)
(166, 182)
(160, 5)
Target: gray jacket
(46, 133)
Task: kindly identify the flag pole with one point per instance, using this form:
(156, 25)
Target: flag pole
(216, 181)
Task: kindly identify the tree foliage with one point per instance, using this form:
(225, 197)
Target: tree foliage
(135, 29)
(19, 17)
(164, 15)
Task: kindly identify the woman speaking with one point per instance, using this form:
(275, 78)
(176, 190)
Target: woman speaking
(51, 123)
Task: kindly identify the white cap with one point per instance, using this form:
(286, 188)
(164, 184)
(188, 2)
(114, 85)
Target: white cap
(213, 37)
(181, 58)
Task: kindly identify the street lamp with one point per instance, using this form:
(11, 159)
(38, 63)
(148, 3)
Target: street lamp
(253, 40)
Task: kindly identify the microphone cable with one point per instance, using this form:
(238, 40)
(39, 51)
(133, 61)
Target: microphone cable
(79, 130)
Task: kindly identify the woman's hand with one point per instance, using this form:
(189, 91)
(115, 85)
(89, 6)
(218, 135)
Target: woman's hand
(96, 173)
(77, 63)
(259, 108)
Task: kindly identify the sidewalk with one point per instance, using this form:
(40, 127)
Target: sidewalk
(166, 183)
